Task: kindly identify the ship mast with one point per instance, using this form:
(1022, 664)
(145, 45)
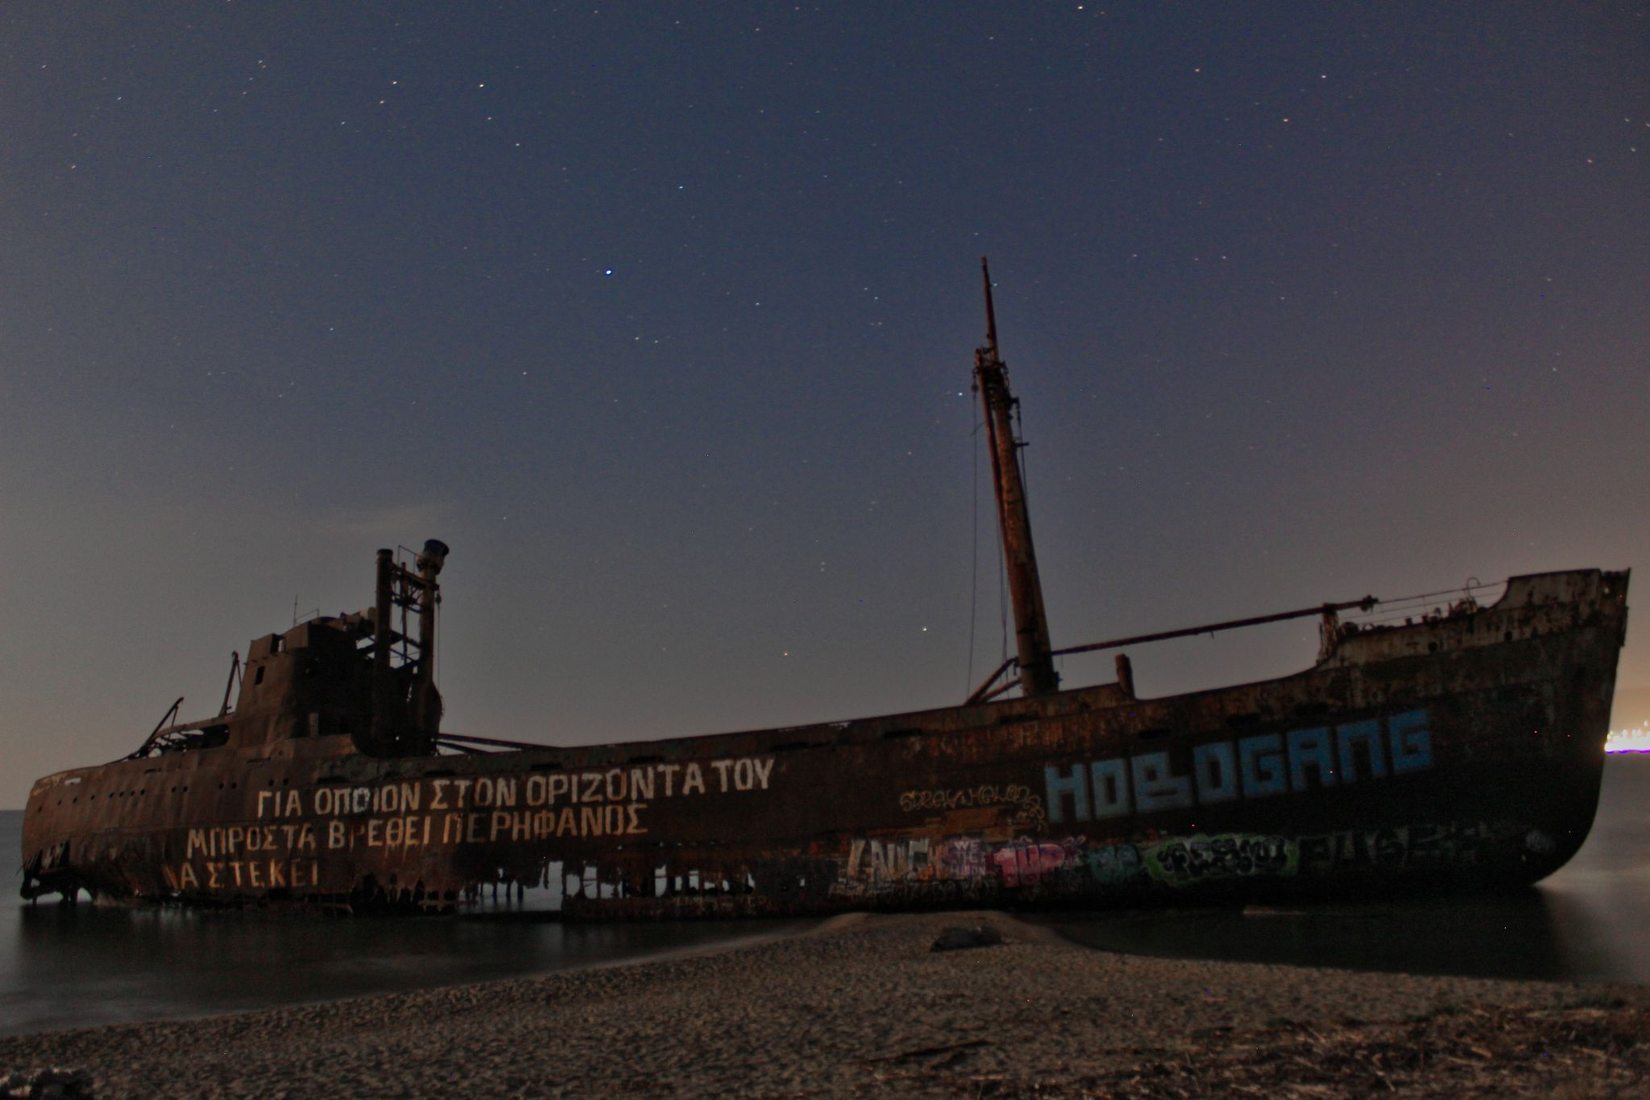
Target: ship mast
(1037, 675)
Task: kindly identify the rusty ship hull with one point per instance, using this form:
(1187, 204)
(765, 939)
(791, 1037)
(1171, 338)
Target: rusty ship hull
(1465, 750)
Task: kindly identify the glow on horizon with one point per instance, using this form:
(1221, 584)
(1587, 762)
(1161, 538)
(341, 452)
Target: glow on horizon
(1633, 739)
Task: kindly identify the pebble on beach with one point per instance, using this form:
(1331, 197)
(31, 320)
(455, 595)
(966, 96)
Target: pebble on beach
(959, 939)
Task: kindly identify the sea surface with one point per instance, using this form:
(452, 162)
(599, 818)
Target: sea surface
(71, 966)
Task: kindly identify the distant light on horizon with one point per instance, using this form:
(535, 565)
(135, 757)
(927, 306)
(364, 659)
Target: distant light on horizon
(1633, 739)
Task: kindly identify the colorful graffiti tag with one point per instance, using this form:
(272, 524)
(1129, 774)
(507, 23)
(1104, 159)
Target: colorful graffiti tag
(1028, 815)
(956, 867)
(1191, 860)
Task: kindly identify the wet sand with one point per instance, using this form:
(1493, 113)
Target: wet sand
(862, 1005)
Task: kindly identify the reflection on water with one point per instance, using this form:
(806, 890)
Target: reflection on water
(72, 965)
(65, 966)
(76, 965)
(1587, 922)
(79, 965)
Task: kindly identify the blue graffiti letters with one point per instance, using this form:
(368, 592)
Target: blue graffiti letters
(1258, 766)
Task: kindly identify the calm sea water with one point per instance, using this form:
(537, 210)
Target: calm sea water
(64, 966)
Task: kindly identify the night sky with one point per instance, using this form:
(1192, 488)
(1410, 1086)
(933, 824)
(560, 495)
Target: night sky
(662, 316)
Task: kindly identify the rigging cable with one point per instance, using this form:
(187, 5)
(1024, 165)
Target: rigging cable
(1022, 456)
(974, 565)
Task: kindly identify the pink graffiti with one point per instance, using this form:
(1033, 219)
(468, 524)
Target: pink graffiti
(1026, 862)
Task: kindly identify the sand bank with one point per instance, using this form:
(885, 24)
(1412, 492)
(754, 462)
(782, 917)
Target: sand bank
(862, 1005)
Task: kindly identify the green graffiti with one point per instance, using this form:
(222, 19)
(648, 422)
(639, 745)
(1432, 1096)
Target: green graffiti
(1191, 860)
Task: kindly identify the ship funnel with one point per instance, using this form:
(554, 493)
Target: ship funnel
(432, 557)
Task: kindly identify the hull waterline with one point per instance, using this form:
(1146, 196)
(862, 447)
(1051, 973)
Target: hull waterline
(1459, 752)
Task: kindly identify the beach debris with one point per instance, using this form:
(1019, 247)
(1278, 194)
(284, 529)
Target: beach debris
(52, 1083)
(958, 938)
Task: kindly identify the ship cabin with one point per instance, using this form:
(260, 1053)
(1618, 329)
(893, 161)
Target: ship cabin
(360, 681)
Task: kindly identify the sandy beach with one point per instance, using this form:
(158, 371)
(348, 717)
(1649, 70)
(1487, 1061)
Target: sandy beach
(863, 1005)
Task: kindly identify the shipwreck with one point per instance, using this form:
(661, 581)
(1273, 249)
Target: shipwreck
(1461, 746)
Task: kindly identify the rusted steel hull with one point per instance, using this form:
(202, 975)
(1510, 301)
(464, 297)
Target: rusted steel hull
(1465, 751)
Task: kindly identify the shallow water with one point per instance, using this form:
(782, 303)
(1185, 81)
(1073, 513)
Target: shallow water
(66, 966)
(79, 965)
(1589, 922)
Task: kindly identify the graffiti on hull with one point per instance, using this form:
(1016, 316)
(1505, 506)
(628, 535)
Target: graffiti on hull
(1259, 766)
(1192, 860)
(917, 868)
(291, 831)
(1026, 808)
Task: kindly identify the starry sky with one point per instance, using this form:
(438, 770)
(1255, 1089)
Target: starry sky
(662, 316)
